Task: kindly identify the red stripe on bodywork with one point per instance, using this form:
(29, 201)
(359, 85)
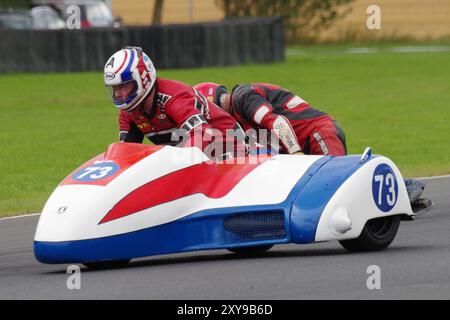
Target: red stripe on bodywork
(211, 179)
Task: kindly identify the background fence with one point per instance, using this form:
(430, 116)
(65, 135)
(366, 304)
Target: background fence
(229, 42)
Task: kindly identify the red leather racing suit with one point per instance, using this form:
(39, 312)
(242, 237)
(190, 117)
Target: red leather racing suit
(263, 105)
(177, 106)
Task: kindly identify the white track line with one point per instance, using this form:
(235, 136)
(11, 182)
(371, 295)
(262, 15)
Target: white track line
(20, 216)
(421, 49)
(372, 50)
(362, 50)
(407, 49)
(434, 177)
(37, 214)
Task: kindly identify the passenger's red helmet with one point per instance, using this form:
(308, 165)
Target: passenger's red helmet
(211, 91)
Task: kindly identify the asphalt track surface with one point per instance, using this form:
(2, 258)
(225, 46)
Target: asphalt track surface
(415, 266)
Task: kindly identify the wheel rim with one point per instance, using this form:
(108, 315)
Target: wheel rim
(381, 226)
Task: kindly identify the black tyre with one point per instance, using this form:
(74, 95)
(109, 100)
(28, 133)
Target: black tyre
(102, 265)
(251, 251)
(376, 235)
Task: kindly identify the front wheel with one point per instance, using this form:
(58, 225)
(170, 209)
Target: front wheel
(251, 251)
(377, 235)
(102, 265)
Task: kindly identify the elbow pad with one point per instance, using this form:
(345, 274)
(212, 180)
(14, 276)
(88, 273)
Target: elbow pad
(123, 135)
(286, 134)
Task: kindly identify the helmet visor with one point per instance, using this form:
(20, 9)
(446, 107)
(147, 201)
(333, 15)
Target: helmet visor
(124, 93)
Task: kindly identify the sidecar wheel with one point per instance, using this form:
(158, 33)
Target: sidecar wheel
(251, 251)
(377, 235)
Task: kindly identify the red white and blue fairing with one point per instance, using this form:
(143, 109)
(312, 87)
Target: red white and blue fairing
(137, 200)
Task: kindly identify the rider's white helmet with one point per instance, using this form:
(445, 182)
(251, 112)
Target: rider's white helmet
(129, 65)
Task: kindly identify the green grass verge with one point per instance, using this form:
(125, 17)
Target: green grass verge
(399, 104)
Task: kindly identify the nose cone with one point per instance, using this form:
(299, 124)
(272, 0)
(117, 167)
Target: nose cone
(68, 213)
(68, 217)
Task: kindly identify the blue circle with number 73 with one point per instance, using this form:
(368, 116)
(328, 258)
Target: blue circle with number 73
(384, 187)
(96, 171)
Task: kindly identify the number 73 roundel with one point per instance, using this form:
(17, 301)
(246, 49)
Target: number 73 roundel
(97, 172)
(384, 187)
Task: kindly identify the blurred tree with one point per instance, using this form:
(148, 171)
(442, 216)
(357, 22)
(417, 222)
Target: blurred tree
(157, 11)
(15, 4)
(302, 18)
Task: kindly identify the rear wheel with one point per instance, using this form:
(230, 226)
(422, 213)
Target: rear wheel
(251, 251)
(376, 235)
(107, 264)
